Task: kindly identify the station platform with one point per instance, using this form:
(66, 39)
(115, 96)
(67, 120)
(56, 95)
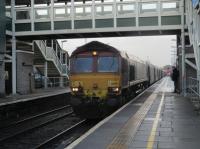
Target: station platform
(38, 94)
(156, 119)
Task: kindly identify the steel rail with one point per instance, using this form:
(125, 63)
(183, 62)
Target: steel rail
(35, 116)
(32, 128)
(49, 141)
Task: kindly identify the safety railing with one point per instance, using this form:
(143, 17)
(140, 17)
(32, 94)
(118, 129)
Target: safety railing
(193, 87)
(65, 68)
(193, 91)
(52, 82)
(94, 14)
(57, 82)
(106, 8)
(50, 54)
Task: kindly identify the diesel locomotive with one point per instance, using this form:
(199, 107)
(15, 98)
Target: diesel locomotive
(102, 79)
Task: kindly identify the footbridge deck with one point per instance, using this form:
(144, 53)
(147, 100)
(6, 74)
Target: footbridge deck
(97, 19)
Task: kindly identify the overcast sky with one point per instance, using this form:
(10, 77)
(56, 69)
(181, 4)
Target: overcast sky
(157, 49)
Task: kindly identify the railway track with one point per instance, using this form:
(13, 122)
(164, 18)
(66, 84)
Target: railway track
(65, 137)
(13, 134)
(52, 129)
(34, 117)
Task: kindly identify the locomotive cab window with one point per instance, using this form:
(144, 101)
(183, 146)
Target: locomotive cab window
(82, 64)
(108, 64)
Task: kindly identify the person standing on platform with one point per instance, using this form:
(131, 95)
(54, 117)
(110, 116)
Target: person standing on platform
(175, 76)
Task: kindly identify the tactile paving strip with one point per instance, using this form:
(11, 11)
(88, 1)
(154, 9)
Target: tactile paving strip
(126, 134)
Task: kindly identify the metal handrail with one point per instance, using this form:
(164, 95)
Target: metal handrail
(193, 87)
(50, 54)
(52, 82)
(115, 4)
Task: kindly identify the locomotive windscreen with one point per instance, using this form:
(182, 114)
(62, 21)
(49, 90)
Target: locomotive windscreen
(82, 64)
(107, 64)
(95, 64)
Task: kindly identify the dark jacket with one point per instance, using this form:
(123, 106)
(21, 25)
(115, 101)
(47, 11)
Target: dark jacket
(175, 74)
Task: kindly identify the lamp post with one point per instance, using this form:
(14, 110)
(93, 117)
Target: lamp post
(62, 46)
(61, 59)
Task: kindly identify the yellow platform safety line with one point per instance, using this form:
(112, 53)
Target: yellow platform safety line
(126, 134)
(152, 136)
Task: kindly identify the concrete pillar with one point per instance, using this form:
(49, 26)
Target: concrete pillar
(183, 49)
(14, 73)
(2, 47)
(45, 74)
(14, 69)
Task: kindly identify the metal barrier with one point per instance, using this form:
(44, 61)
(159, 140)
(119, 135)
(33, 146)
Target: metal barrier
(193, 87)
(193, 91)
(51, 82)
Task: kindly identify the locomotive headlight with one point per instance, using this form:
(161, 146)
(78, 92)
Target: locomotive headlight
(75, 89)
(115, 89)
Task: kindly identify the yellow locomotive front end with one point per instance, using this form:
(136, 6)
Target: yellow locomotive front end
(95, 85)
(95, 82)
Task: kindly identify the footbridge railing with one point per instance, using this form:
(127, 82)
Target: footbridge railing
(116, 15)
(50, 55)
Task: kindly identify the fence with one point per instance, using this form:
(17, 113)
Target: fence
(51, 82)
(193, 91)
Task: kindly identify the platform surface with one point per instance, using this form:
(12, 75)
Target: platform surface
(157, 119)
(38, 94)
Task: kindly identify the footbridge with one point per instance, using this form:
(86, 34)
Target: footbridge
(74, 19)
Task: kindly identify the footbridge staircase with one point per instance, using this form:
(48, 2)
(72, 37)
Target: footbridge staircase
(47, 52)
(192, 9)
